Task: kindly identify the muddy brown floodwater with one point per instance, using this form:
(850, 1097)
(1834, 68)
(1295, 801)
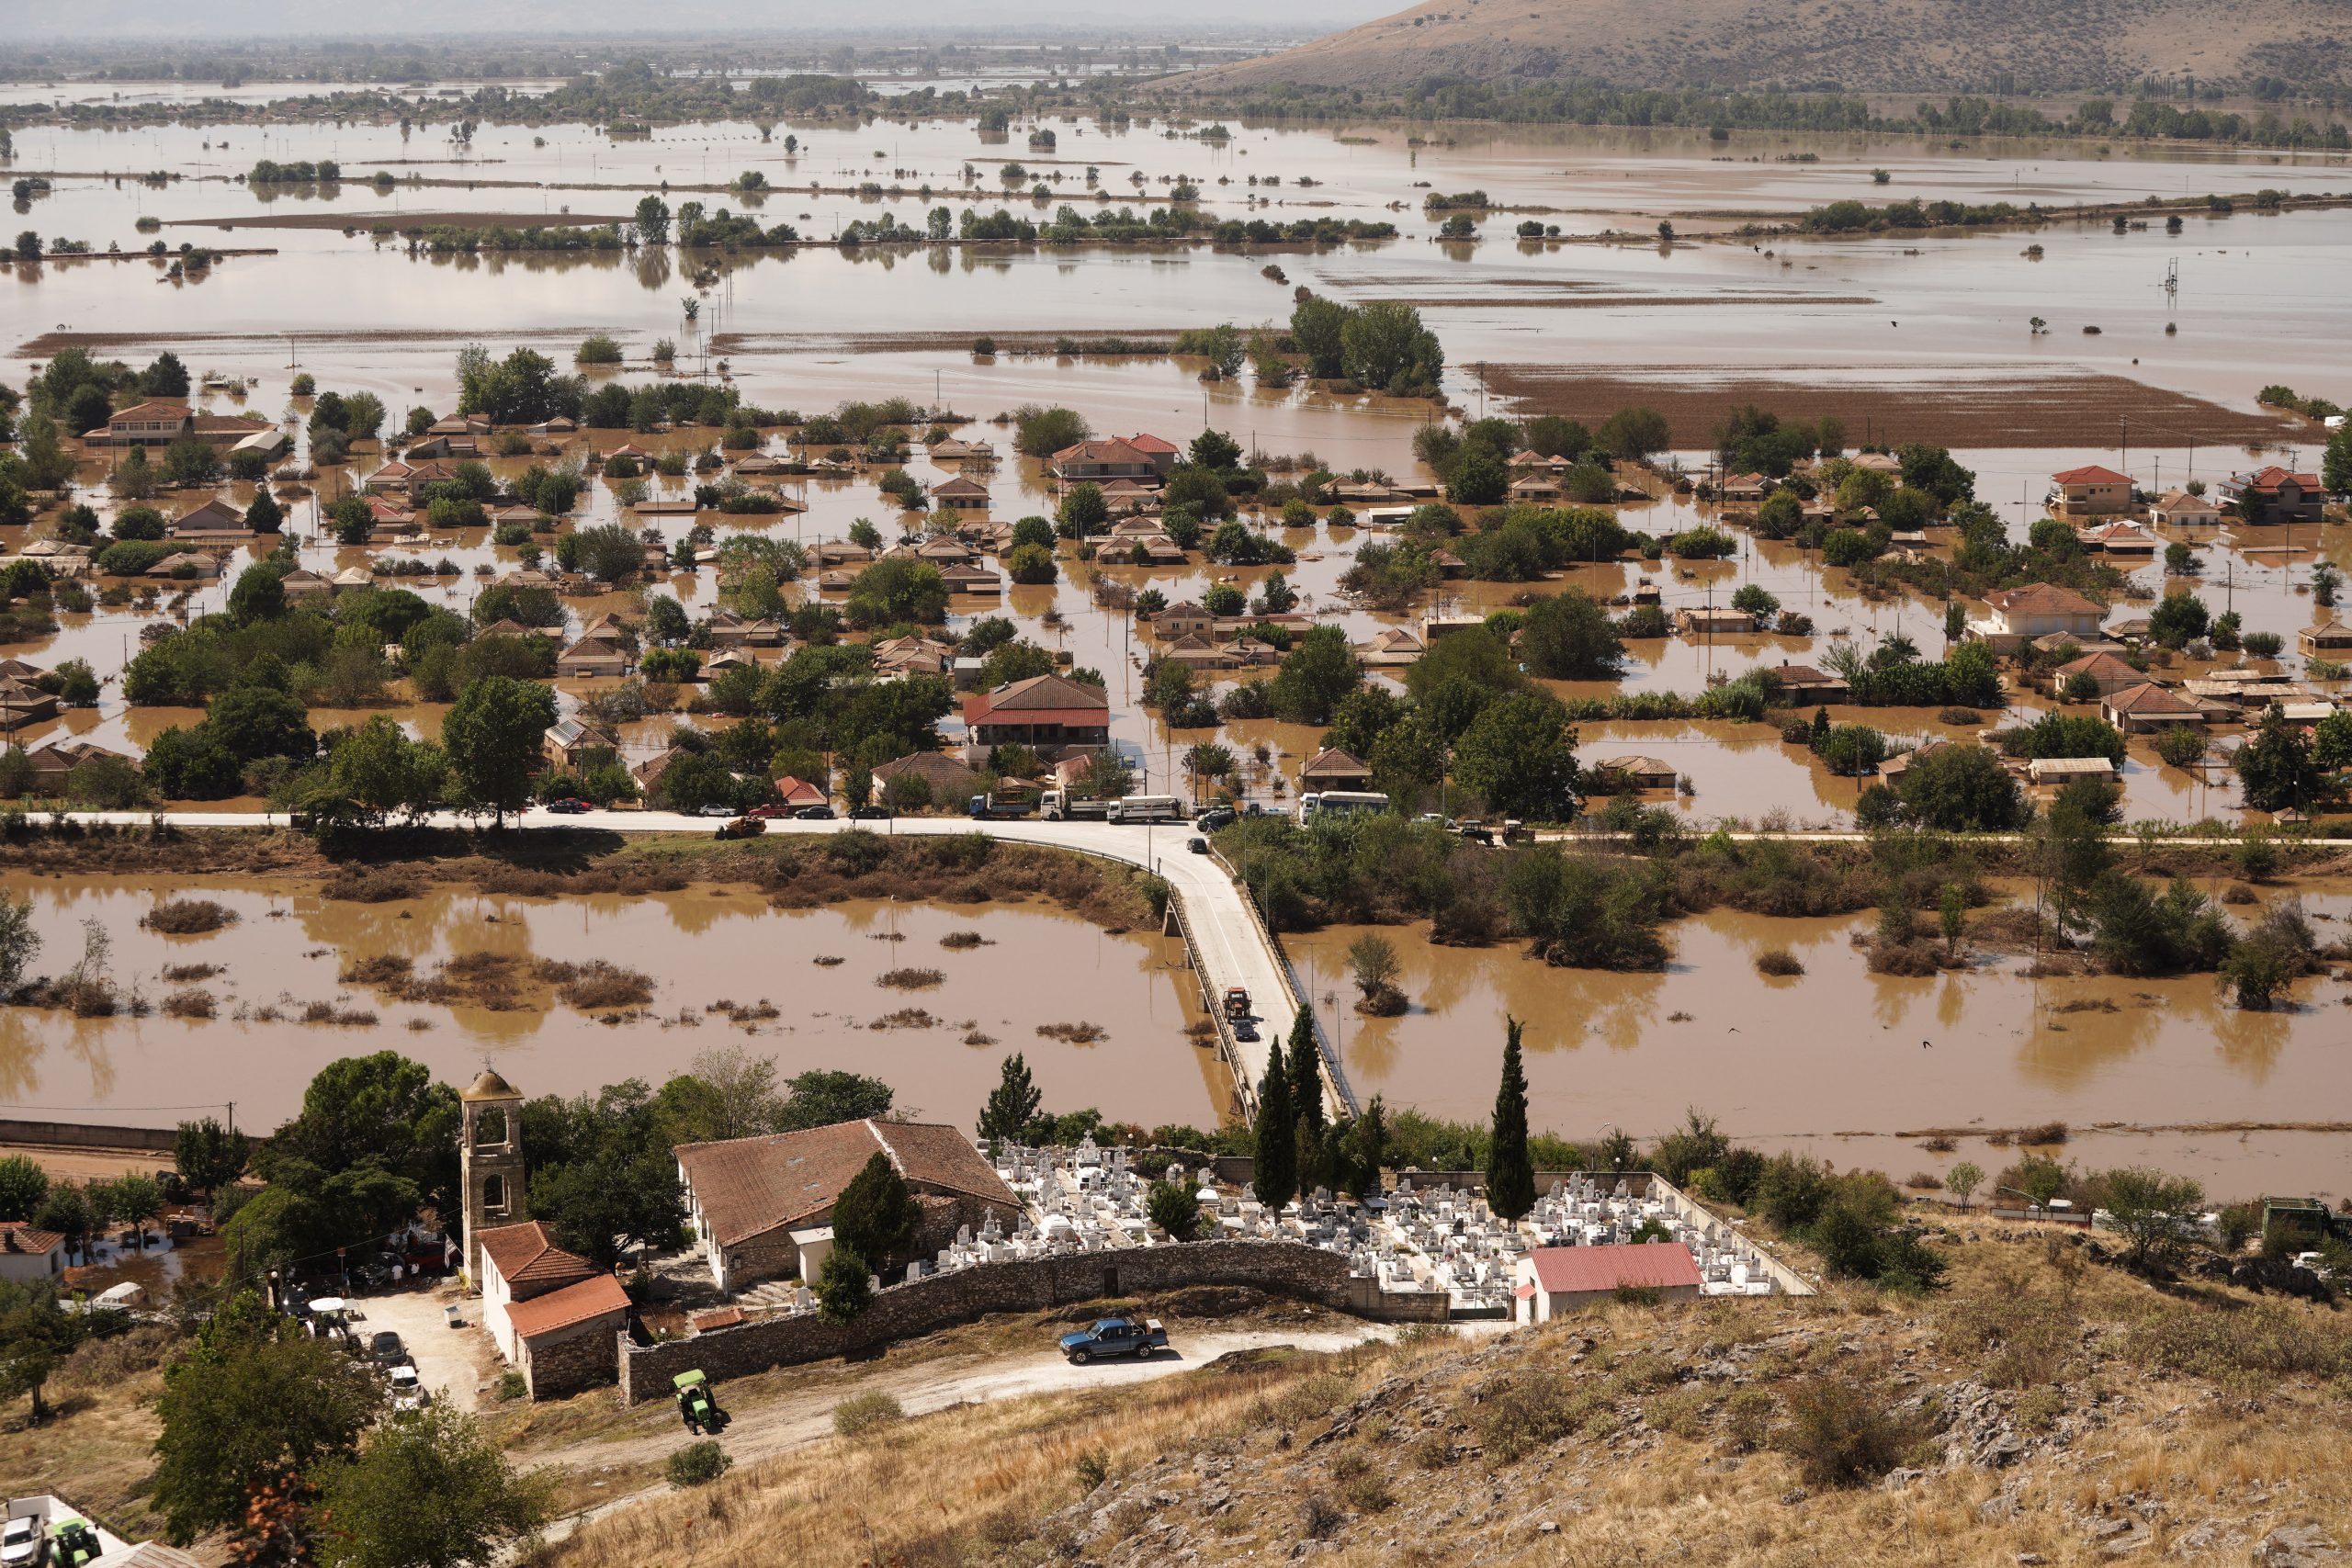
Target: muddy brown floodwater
(702, 946)
(1839, 1059)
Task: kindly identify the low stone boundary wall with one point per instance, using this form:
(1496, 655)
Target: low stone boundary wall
(939, 1300)
(86, 1136)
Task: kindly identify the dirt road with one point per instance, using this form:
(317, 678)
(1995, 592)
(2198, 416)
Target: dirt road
(799, 1419)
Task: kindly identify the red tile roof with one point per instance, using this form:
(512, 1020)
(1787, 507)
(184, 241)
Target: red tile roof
(1652, 1265)
(17, 1237)
(525, 1254)
(2150, 699)
(2041, 599)
(748, 1187)
(2091, 474)
(561, 1309)
(1154, 445)
(150, 411)
(2264, 481)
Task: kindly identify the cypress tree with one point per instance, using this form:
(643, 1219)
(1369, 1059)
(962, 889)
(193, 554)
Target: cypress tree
(1511, 1173)
(1367, 1151)
(1012, 1104)
(1275, 1178)
(1305, 1074)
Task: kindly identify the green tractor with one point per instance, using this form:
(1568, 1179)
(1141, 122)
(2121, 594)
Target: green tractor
(72, 1544)
(695, 1408)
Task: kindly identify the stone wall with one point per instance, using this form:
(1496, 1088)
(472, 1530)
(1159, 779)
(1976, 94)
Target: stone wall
(581, 1356)
(939, 1301)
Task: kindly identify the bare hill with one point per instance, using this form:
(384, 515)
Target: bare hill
(1886, 46)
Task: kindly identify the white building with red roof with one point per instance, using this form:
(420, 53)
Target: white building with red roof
(1562, 1278)
(2089, 492)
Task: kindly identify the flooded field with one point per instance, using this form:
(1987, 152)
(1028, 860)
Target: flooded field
(1838, 1058)
(803, 984)
(1907, 337)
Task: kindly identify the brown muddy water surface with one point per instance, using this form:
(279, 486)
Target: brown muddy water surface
(702, 946)
(1839, 1060)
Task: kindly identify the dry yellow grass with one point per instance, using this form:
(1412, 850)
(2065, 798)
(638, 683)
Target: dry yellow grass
(1378, 1451)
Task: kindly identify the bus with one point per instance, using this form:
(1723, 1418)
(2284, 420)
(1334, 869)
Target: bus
(1340, 803)
(1148, 808)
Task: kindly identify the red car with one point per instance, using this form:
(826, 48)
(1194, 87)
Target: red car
(769, 813)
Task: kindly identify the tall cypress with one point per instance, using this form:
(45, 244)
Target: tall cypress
(1275, 1178)
(1367, 1150)
(1306, 1104)
(1305, 1074)
(1510, 1172)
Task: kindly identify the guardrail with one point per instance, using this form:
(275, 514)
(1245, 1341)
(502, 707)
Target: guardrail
(1334, 1074)
(1245, 1091)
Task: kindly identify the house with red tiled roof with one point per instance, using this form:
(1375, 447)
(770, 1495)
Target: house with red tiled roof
(553, 1314)
(1044, 713)
(961, 494)
(797, 793)
(2089, 492)
(2136, 710)
(1164, 455)
(2105, 671)
(1104, 459)
(27, 1253)
(153, 423)
(762, 1206)
(2275, 496)
(1559, 1280)
(2020, 614)
(2117, 538)
(216, 518)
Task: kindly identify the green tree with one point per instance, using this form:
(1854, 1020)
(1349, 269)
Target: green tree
(1012, 1104)
(1314, 676)
(1274, 1173)
(381, 770)
(1317, 324)
(252, 722)
(1384, 346)
(1306, 1071)
(494, 733)
(260, 594)
(2275, 768)
(19, 942)
(1478, 478)
(1963, 1180)
(876, 1215)
(264, 516)
(2336, 464)
(844, 1285)
(252, 1403)
(209, 1156)
(1510, 1172)
(652, 220)
(429, 1489)
(1963, 789)
(36, 1334)
(1634, 435)
(1518, 753)
(604, 1176)
(1367, 1150)
(165, 378)
(24, 1187)
(2156, 1213)
(1568, 637)
(1172, 1207)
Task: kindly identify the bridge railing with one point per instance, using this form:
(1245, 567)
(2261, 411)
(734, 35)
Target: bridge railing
(1335, 1076)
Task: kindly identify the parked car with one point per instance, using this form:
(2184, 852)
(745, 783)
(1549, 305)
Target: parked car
(1216, 817)
(769, 812)
(870, 814)
(1115, 1337)
(21, 1542)
(815, 814)
(408, 1389)
(385, 1349)
(1197, 845)
(567, 807)
(716, 811)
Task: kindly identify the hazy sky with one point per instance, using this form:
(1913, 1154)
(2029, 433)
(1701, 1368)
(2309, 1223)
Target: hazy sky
(217, 19)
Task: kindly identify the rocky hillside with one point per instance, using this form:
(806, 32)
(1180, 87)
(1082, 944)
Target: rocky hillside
(2045, 1408)
(1928, 46)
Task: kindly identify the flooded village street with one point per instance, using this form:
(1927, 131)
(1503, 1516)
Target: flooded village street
(2026, 350)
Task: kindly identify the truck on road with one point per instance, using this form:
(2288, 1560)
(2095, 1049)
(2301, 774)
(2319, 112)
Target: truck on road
(1148, 808)
(1059, 807)
(997, 807)
(1115, 1337)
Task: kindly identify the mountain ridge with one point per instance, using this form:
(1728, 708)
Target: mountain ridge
(1935, 46)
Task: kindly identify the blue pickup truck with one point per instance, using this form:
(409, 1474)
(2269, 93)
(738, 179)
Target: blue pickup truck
(1115, 1337)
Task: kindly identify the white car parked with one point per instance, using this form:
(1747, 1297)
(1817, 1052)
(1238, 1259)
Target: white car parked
(408, 1391)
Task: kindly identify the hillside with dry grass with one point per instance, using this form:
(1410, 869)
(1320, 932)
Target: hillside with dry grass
(2045, 1408)
(1927, 46)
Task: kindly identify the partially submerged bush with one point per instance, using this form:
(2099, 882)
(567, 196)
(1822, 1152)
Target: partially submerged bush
(188, 917)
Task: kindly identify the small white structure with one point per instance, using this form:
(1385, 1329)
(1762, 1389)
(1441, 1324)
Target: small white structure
(29, 1254)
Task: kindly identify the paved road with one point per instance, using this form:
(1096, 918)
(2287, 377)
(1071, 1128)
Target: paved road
(1232, 952)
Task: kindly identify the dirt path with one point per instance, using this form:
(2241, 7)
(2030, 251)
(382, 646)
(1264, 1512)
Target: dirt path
(801, 1418)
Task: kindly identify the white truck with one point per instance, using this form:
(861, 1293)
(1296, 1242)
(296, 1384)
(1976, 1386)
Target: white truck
(1148, 808)
(1061, 807)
